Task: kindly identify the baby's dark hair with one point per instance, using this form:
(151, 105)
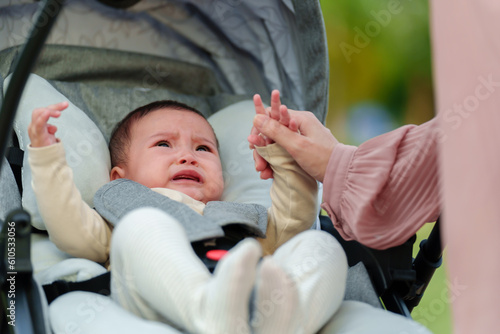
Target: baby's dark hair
(120, 137)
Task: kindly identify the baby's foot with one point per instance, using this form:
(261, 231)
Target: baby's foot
(227, 294)
(276, 304)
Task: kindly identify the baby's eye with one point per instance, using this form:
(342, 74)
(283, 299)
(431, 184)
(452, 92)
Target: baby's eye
(163, 144)
(203, 148)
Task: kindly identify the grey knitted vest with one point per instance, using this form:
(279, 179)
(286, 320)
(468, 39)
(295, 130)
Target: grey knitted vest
(117, 198)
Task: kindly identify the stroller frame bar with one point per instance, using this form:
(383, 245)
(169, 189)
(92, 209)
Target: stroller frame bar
(20, 313)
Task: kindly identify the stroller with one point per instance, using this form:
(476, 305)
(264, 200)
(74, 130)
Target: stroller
(210, 55)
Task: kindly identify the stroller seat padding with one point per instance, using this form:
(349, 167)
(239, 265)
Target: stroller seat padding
(87, 312)
(86, 147)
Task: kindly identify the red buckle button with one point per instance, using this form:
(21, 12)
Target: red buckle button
(216, 254)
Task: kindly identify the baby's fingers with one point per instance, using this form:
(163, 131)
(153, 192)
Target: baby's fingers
(58, 106)
(259, 106)
(256, 140)
(266, 174)
(260, 162)
(40, 132)
(262, 166)
(51, 129)
(275, 104)
(41, 116)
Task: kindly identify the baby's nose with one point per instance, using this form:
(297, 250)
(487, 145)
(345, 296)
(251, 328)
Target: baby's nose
(187, 158)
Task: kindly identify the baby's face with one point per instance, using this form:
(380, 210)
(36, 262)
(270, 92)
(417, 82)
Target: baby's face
(175, 149)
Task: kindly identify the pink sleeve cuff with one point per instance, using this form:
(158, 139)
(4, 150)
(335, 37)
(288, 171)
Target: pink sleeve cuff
(334, 184)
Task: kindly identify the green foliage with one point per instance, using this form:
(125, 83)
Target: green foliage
(378, 50)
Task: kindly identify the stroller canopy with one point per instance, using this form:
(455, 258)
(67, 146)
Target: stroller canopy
(249, 46)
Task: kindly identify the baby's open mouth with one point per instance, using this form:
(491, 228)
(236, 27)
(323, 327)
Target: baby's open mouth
(187, 176)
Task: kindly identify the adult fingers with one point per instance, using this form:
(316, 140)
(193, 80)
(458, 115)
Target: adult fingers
(293, 125)
(305, 122)
(277, 132)
(285, 116)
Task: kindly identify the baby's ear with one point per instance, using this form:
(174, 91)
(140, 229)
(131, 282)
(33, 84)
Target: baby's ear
(116, 173)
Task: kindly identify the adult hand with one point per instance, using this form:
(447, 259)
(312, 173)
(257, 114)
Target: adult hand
(308, 141)
(40, 132)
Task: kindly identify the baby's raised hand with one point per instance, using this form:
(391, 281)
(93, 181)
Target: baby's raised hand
(40, 132)
(279, 111)
(276, 111)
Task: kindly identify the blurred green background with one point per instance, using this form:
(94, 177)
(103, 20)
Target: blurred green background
(380, 79)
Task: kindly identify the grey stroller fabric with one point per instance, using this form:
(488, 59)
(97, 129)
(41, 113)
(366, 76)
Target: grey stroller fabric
(248, 46)
(10, 197)
(359, 286)
(95, 86)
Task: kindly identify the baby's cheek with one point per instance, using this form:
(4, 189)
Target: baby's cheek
(217, 188)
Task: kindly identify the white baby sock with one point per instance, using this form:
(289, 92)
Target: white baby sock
(275, 308)
(228, 293)
(157, 275)
(317, 264)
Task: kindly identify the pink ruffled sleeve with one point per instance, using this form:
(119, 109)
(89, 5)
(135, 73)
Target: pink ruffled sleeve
(383, 191)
